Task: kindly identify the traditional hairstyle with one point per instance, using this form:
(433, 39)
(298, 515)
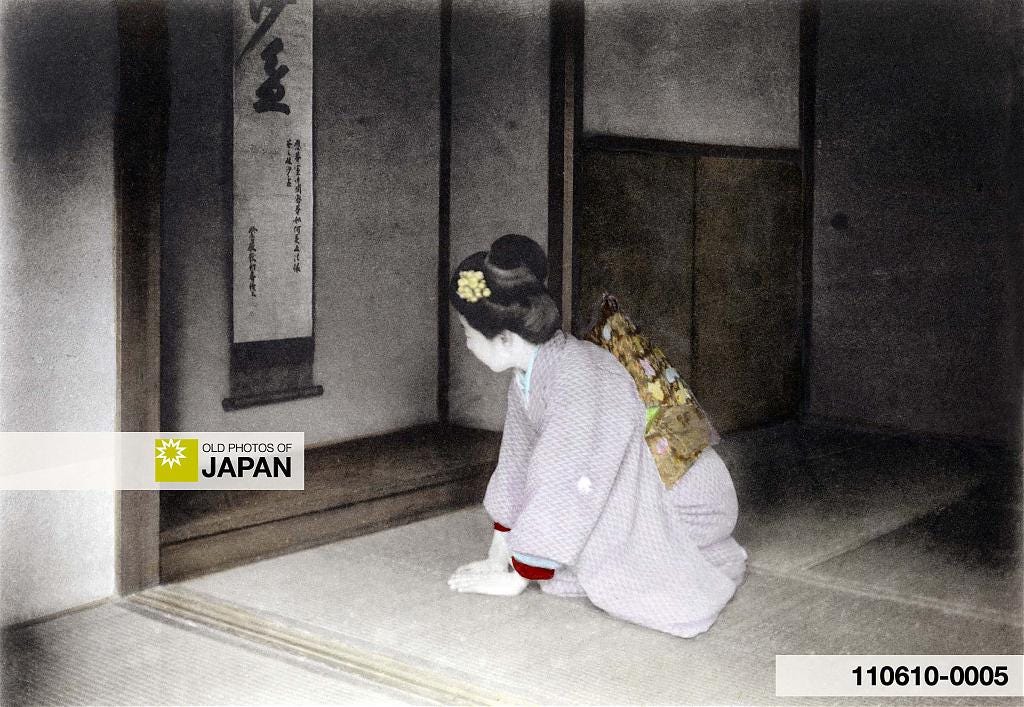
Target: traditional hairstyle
(503, 289)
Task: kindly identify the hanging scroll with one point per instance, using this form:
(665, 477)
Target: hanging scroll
(272, 349)
(273, 170)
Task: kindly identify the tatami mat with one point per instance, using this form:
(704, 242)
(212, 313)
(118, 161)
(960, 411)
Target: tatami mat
(114, 655)
(796, 511)
(859, 544)
(389, 589)
(966, 556)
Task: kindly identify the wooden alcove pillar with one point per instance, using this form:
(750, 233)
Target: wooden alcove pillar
(565, 132)
(140, 147)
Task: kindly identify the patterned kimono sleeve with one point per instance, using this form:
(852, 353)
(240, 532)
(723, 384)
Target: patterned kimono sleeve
(588, 423)
(504, 497)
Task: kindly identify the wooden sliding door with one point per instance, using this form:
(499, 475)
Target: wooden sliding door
(704, 253)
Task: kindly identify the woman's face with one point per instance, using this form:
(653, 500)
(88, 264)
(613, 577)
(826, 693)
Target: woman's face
(493, 353)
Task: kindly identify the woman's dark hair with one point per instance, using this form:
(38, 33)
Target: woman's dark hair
(514, 269)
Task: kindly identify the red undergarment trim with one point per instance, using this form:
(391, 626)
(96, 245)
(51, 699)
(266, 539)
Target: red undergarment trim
(531, 572)
(501, 528)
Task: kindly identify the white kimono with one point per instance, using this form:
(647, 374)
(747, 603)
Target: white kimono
(577, 485)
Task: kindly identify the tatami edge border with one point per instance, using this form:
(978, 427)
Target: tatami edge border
(863, 589)
(249, 625)
(807, 572)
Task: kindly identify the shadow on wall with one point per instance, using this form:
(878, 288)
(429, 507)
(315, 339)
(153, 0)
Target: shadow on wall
(499, 161)
(57, 294)
(916, 254)
(57, 301)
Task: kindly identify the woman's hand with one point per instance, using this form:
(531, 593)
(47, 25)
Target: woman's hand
(502, 584)
(490, 575)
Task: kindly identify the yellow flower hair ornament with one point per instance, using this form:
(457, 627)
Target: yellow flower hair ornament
(472, 286)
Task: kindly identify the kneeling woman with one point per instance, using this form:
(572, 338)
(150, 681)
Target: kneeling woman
(576, 498)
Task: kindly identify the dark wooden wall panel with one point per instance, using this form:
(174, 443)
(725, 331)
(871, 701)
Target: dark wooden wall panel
(636, 241)
(748, 307)
(705, 253)
(917, 255)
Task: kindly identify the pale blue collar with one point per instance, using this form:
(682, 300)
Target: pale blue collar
(524, 377)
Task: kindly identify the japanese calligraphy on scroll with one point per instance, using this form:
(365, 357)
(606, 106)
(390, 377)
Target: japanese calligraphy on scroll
(273, 169)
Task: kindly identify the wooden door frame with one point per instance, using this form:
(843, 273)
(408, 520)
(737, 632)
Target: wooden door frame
(567, 141)
(565, 127)
(140, 148)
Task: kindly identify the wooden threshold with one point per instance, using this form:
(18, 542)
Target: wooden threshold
(256, 542)
(352, 488)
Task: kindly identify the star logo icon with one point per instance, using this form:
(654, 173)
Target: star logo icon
(176, 459)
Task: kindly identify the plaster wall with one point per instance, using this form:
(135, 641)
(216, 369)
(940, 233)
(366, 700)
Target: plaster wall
(722, 72)
(499, 162)
(376, 135)
(58, 92)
